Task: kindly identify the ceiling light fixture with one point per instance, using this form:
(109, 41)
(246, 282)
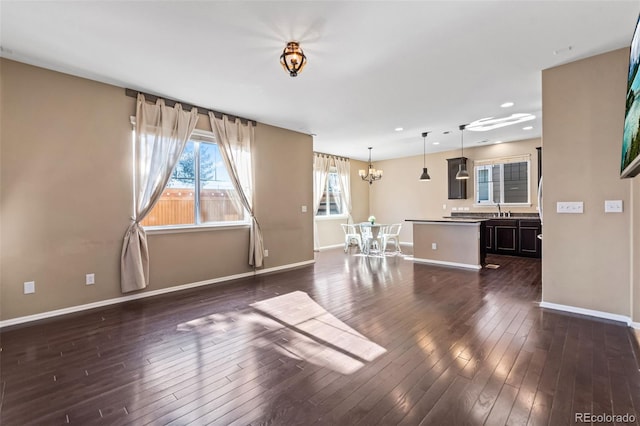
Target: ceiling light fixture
(293, 59)
(462, 167)
(527, 128)
(398, 129)
(507, 105)
(425, 175)
(491, 123)
(372, 174)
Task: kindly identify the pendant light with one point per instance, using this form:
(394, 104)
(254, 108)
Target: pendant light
(371, 174)
(462, 167)
(425, 175)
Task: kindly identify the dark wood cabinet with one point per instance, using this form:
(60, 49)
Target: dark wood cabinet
(506, 236)
(457, 187)
(529, 244)
(489, 229)
(516, 237)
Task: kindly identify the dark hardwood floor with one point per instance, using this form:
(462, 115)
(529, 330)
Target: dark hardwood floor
(348, 341)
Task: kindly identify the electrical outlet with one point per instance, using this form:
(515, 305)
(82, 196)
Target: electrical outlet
(613, 206)
(303, 209)
(570, 207)
(266, 253)
(90, 279)
(29, 287)
(434, 246)
(444, 207)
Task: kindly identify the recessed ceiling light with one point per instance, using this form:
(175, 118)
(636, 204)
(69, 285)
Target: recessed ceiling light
(436, 143)
(490, 123)
(398, 129)
(527, 128)
(498, 142)
(446, 133)
(507, 105)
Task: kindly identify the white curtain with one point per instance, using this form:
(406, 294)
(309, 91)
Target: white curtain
(321, 165)
(235, 140)
(343, 167)
(161, 134)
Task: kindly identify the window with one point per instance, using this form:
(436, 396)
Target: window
(200, 166)
(502, 181)
(331, 203)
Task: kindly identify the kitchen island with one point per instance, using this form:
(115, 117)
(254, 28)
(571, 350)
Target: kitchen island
(449, 242)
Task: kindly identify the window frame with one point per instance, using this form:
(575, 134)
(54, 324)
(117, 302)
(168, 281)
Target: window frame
(488, 165)
(198, 136)
(328, 215)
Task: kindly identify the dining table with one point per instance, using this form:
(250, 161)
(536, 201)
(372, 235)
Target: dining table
(375, 234)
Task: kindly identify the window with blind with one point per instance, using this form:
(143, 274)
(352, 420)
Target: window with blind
(502, 181)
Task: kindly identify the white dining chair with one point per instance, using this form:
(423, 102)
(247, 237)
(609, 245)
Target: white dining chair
(351, 236)
(368, 240)
(391, 233)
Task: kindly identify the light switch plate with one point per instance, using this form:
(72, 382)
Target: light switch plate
(570, 207)
(613, 206)
(303, 209)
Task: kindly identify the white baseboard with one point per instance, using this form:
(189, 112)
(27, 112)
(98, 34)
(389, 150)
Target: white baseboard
(590, 312)
(116, 300)
(636, 325)
(445, 263)
(324, 248)
(406, 244)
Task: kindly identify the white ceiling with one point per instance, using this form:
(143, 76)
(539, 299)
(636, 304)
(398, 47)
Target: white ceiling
(372, 66)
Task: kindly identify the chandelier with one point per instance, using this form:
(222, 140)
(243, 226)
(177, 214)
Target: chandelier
(371, 174)
(293, 59)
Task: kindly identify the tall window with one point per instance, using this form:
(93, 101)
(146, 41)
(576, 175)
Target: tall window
(331, 203)
(199, 191)
(502, 181)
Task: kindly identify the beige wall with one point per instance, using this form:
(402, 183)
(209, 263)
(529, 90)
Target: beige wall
(329, 230)
(401, 195)
(65, 196)
(586, 260)
(359, 193)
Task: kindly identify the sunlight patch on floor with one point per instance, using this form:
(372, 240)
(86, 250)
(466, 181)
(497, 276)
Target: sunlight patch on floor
(317, 336)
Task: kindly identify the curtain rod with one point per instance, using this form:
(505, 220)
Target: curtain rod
(171, 102)
(331, 155)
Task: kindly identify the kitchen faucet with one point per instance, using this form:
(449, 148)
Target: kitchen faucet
(499, 211)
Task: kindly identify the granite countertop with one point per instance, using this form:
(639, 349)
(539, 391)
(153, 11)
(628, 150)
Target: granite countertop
(449, 220)
(472, 215)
